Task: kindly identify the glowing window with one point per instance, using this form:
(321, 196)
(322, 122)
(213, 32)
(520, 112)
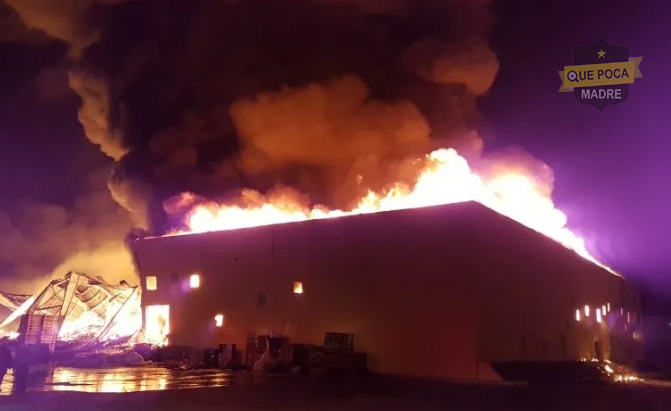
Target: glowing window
(298, 287)
(577, 315)
(608, 306)
(219, 320)
(157, 324)
(598, 315)
(194, 281)
(628, 317)
(587, 311)
(151, 282)
(603, 310)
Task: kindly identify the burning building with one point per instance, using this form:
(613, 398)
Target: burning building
(439, 291)
(309, 106)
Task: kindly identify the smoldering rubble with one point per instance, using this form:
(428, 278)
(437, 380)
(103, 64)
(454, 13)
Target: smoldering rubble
(85, 310)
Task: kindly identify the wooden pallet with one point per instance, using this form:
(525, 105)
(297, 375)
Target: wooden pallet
(341, 342)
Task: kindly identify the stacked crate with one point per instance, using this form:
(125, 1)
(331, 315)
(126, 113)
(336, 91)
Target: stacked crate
(40, 329)
(339, 342)
(338, 355)
(315, 359)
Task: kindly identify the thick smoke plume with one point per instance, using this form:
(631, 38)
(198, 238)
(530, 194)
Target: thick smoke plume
(40, 242)
(66, 20)
(328, 97)
(335, 128)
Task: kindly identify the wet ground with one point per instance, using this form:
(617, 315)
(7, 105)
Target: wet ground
(117, 380)
(98, 390)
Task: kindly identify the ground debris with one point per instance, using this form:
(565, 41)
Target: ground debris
(104, 358)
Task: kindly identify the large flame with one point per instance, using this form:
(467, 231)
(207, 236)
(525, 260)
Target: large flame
(447, 178)
(125, 322)
(117, 321)
(97, 312)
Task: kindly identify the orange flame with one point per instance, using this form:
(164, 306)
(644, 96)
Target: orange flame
(447, 178)
(117, 322)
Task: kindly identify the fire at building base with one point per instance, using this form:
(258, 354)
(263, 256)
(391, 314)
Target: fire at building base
(73, 312)
(454, 291)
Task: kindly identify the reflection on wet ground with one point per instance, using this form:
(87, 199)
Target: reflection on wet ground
(118, 379)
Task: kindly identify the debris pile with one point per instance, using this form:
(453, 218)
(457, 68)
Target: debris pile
(75, 311)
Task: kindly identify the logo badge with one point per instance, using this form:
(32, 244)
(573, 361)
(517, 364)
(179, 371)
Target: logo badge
(600, 74)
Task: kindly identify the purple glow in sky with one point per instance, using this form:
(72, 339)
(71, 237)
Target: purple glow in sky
(611, 168)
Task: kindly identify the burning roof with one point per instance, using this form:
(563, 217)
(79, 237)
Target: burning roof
(443, 177)
(88, 308)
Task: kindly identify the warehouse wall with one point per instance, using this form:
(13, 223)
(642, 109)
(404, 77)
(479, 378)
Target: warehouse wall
(527, 311)
(398, 281)
(428, 292)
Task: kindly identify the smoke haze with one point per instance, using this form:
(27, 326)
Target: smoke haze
(327, 97)
(40, 242)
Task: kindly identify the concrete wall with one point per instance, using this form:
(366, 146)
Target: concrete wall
(527, 310)
(404, 293)
(428, 292)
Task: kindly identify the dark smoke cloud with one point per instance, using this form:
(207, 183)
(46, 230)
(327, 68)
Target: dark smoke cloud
(51, 84)
(66, 20)
(210, 96)
(73, 22)
(335, 128)
(39, 242)
(397, 7)
(14, 30)
(470, 63)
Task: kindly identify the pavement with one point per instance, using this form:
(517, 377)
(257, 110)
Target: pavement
(156, 389)
(117, 380)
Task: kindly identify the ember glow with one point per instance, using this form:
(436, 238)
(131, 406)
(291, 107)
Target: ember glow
(446, 178)
(79, 308)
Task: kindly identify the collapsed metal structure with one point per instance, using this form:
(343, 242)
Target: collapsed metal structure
(12, 301)
(78, 308)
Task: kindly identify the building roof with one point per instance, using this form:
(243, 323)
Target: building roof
(478, 217)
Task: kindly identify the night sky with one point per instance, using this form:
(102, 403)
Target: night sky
(611, 168)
